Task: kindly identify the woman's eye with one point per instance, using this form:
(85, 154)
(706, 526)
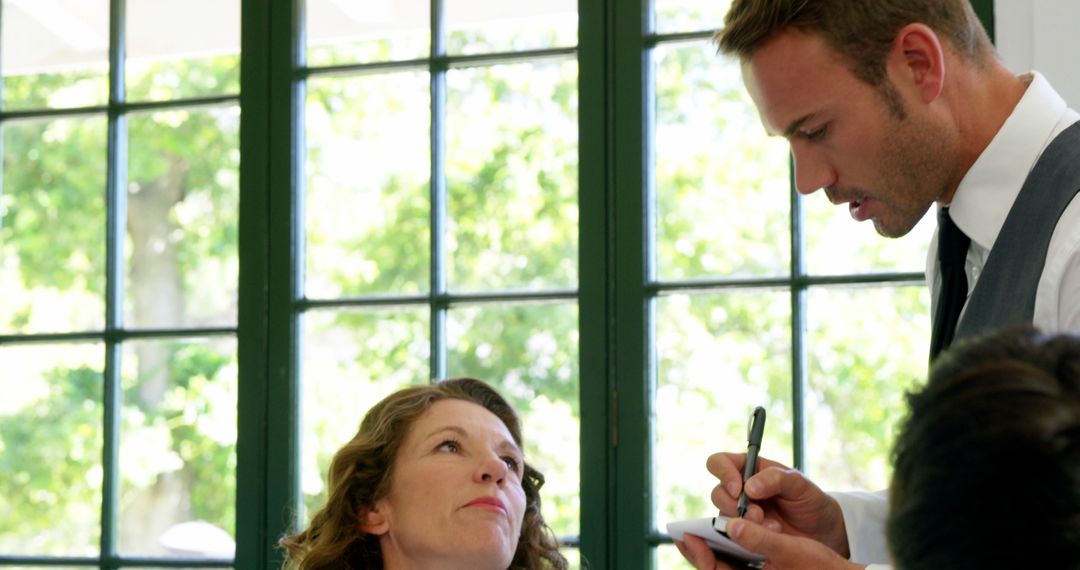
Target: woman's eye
(450, 445)
(511, 462)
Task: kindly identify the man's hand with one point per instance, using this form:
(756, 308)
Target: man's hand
(782, 500)
(784, 552)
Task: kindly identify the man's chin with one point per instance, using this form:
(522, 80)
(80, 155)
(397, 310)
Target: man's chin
(887, 230)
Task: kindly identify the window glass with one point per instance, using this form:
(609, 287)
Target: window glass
(867, 347)
(667, 557)
(722, 193)
(348, 31)
(351, 359)
(178, 448)
(512, 172)
(165, 60)
(182, 215)
(837, 244)
(530, 354)
(51, 439)
(482, 26)
(718, 356)
(368, 200)
(54, 53)
(673, 16)
(52, 226)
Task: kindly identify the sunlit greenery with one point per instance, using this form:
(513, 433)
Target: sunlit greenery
(178, 412)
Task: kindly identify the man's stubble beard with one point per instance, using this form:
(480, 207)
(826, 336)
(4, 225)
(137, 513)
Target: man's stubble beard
(917, 162)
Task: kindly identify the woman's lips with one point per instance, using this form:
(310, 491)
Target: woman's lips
(487, 503)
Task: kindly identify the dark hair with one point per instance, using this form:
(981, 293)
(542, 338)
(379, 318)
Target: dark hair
(987, 464)
(861, 31)
(362, 470)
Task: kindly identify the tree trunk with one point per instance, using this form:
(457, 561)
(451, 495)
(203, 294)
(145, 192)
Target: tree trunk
(156, 298)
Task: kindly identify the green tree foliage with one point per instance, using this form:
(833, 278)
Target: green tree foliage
(50, 454)
(179, 400)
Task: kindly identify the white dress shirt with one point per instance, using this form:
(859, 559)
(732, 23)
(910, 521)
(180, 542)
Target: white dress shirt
(979, 208)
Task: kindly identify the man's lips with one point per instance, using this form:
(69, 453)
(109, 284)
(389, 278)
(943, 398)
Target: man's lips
(487, 503)
(860, 209)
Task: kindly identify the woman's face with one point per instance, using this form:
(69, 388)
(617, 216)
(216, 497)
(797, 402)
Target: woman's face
(456, 498)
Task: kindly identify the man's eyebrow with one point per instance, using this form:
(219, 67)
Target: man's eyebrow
(794, 126)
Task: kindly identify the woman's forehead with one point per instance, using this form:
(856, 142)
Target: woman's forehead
(460, 416)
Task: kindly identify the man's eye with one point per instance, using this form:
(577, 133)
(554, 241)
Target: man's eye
(816, 134)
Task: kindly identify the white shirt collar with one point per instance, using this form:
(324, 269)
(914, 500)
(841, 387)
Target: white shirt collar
(988, 190)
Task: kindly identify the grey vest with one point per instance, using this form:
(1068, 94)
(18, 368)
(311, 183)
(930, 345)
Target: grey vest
(1005, 291)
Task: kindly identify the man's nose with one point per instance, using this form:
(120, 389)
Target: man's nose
(811, 172)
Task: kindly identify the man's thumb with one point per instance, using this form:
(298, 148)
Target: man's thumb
(752, 536)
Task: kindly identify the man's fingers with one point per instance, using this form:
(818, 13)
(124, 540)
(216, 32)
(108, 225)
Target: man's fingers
(697, 552)
(771, 524)
(751, 536)
(784, 551)
(777, 481)
(727, 467)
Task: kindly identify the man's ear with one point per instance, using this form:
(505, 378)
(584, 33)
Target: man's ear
(917, 58)
(375, 521)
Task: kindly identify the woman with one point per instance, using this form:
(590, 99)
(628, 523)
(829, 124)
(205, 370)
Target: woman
(435, 477)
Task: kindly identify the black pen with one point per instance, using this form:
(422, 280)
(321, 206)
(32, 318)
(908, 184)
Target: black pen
(754, 431)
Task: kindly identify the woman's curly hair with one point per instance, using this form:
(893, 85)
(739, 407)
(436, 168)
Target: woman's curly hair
(362, 470)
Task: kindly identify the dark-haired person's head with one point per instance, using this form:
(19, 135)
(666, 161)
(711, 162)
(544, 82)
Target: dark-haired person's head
(435, 477)
(987, 464)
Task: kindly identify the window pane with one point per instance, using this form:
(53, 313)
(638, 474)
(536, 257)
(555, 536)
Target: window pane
(49, 566)
(573, 556)
(530, 354)
(667, 557)
(867, 346)
(722, 189)
(484, 26)
(368, 196)
(837, 244)
(178, 448)
(54, 54)
(351, 360)
(52, 226)
(512, 170)
(718, 356)
(165, 60)
(347, 31)
(674, 16)
(182, 218)
(50, 449)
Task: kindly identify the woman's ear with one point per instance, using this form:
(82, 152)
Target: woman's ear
(375, 521)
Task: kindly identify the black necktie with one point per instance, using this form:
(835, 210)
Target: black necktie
(952, 251)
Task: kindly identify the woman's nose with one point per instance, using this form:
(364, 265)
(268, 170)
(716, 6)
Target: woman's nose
(491, 468)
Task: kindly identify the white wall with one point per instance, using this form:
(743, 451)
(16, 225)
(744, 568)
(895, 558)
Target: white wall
(1042, 35)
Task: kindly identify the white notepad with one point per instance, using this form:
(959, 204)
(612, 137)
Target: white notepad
(718, 540)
